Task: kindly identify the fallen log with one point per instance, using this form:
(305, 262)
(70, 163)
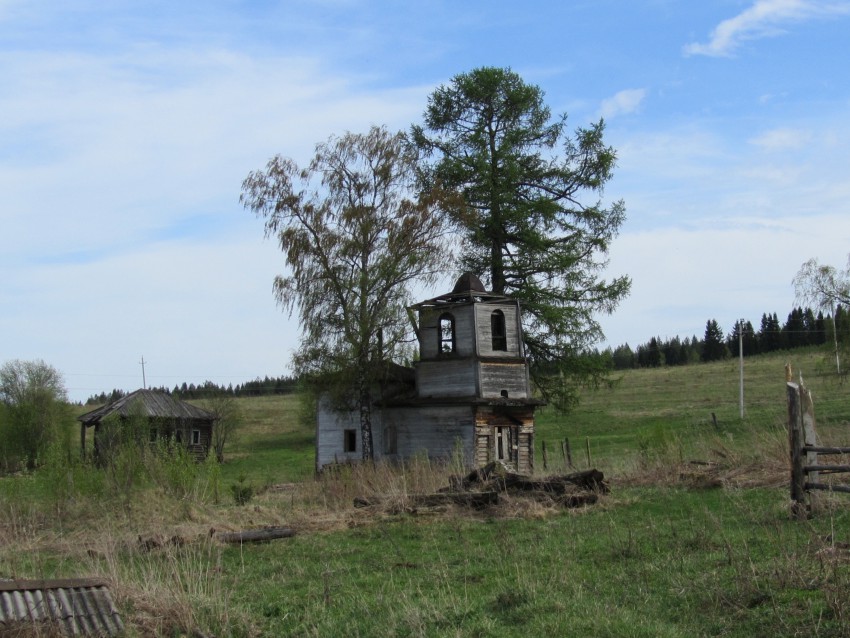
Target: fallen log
(255, 535)
(576, 499)
(476, 500)
(592, 480)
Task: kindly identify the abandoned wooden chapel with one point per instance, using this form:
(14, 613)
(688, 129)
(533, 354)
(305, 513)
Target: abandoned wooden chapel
(469, 390)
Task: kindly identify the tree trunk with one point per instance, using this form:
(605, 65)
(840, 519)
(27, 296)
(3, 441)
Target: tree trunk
(366, 419)
(255, 535)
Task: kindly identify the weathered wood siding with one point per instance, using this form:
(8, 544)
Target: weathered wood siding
(429, 331)
(202, 448)
(437, 430)
(511, 378)
(447, 378)
(487, 419)
(330, 425)
(483, 313)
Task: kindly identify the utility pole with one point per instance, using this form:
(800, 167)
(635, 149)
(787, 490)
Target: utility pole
(144, 382)
(741, 361)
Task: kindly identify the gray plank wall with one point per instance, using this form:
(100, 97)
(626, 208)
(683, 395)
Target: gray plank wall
(330, 426)
(437, 429)
(446, 378)
(433, 429)
(429, 331)
(510, 377)
(512, 329)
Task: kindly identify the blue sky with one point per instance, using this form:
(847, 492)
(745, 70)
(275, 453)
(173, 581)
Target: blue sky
(126, 129)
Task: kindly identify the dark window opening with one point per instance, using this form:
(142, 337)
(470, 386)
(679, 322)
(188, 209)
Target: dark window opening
(497, 330)
(349, 440)
(505, 444)
(196, 437)
(447, 333)
(390, 440)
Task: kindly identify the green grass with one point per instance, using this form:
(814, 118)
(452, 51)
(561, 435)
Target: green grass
(273, 445)
(651, 562)
(648, 406)
(665, 554)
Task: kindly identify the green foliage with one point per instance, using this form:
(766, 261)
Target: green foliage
(242, 491)
(713, 344)
(34, 412)
(228, 418)
(355, 235)
(533, 224)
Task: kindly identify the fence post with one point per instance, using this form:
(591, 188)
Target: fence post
(809, 440)
(795, 441)
(545, 459)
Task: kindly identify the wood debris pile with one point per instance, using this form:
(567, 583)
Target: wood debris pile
(486, 486)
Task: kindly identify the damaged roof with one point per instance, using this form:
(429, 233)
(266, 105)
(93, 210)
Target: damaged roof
(149, 403)
(75, 606)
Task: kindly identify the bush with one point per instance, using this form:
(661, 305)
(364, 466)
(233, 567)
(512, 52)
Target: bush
(242, 492)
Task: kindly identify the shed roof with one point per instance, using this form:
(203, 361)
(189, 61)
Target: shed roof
(150, 403)
(77, 607)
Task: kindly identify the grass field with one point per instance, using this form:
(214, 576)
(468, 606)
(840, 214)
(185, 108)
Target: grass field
(695, 538)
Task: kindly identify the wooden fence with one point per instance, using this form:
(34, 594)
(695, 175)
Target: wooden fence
(566, 453)
(806, 465)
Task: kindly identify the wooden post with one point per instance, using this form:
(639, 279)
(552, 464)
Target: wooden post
(83, 441)
(795, 442)
(587, 449)
(545, 459)
(569, 452)
(809, 440)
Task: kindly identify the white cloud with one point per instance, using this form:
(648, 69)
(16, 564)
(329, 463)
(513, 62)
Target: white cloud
(764, 19)
(118, 155)
(781, 139)
(682, 277)
(622, 103)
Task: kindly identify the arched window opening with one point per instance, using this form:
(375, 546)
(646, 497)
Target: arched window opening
(497, 330)
(447, 333)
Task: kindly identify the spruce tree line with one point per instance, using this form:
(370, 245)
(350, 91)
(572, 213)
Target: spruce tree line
(801, 328)
(266, 386)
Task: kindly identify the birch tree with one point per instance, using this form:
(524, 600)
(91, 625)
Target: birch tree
(826, 288)
(355, 235)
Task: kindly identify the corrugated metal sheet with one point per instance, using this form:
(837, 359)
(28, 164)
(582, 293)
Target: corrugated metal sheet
(76, 607)
(147, 403)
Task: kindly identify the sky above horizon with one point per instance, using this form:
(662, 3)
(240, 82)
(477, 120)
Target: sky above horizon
(128, 127)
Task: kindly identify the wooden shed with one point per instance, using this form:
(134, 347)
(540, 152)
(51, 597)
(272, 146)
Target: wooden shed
(165, 416)
(469, 390)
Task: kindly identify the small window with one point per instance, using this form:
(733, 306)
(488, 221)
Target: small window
(390, 440)
(196, 437)
(497, 330)
(349, 440)
(447, 333)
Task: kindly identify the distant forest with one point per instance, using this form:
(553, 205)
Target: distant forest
(256, 388)
(801, 328)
